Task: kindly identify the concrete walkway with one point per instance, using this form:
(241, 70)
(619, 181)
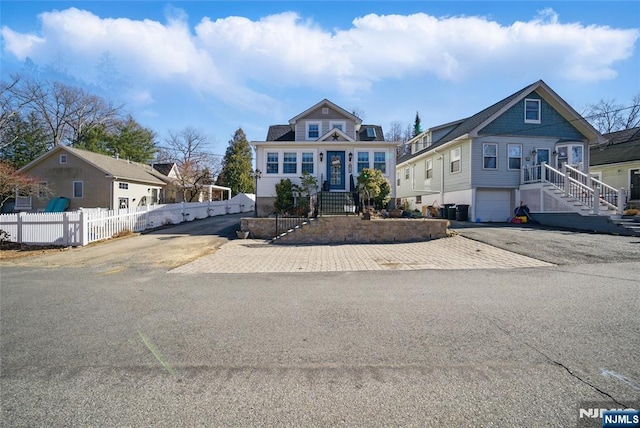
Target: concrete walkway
(457, 252)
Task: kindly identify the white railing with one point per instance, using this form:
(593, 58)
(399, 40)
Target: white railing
(78, 228)
(574, 183)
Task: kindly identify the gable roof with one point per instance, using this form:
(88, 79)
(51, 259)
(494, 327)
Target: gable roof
(621, 146)
(121, 169)
(326, 103)
(472, 125)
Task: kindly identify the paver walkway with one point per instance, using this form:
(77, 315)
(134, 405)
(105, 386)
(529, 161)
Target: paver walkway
(457, 252)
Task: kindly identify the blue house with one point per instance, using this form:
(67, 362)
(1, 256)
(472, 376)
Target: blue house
(530, 148)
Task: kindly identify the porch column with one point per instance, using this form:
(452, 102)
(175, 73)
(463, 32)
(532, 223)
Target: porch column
(596, 200)
(622, 200)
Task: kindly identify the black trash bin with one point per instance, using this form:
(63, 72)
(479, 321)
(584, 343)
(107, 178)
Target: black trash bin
(462, 213)
(451, 212)
(444, 210)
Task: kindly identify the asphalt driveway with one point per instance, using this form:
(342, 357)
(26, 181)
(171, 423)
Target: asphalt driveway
(562, 247)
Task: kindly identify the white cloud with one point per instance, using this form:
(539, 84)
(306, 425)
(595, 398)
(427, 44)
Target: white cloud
(228, 57)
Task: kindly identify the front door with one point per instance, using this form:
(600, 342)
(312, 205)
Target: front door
(635, 185)
(542, 156)
(336, 170)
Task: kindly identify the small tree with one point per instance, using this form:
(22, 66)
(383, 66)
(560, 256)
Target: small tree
(14, 183)
(284, 196)
(374, 187)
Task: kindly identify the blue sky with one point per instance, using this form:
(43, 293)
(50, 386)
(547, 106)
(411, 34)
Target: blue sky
(219, 65)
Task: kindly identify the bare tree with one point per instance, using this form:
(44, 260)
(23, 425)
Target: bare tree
(12, 106)
(65, 110)
(610, 116)
(188, 148)
(395, 132)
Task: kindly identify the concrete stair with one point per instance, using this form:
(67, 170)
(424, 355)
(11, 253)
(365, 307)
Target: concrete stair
(632, 224)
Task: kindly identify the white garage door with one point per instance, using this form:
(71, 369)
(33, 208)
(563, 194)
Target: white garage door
(493, 205)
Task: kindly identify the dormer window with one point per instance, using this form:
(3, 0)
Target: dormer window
(313, 130)
(531, 111)
(371, 133)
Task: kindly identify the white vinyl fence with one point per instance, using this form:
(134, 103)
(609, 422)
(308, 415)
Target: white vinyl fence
(79, 228)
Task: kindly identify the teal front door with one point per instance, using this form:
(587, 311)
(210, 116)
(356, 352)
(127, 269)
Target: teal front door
(336, 170)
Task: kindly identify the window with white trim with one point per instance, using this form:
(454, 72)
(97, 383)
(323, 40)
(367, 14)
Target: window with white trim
(454, 160)
(307, 163)
(380, 161)
(398, 178)
(123, 186)
(313, 130)
(428, 168)
(289, 163)
(490, 156)
(363, 161)
(531, 111)
(515, 156)
(407, 173)
(63, 159)
(337, 125)
(78, 189)
(272, 163)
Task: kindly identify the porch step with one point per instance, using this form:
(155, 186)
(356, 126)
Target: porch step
(628, 223)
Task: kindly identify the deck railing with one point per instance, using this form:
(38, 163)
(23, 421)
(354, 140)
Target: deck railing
(590, 191)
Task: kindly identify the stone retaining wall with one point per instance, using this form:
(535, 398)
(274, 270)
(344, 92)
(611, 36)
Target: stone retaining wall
(350, 230)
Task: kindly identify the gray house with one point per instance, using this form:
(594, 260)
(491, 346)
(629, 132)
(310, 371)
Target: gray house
(529, 147)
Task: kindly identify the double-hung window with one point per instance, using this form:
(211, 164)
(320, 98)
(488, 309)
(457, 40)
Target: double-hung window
(289, 163)
(313, 130)
(531, 111)
(363, 161)
(515, 156)
(380, 161)
(407, 173)
(272, 163)
(454, 160)
(307, 163)
(490, 156)
(428, 173)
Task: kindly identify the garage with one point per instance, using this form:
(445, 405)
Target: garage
(493, 205)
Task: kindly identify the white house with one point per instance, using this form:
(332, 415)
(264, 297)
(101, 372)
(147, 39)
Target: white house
(327, 142)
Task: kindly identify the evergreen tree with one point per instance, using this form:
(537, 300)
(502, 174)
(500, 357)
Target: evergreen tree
(236, 166)
(126, 138)
(417, 129)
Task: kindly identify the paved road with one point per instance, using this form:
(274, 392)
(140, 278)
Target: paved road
(94, 345)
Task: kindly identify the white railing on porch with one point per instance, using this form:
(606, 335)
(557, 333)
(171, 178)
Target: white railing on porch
(576, 184)
(79, 228)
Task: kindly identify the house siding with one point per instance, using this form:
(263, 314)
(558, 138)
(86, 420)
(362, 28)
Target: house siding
(60, 178)
(325, 119)
(503, 177)
(552, 124)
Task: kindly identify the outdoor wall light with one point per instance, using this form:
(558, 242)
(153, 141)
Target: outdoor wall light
(533, 152)
(321, 156)
(350, 156)
(554, 153)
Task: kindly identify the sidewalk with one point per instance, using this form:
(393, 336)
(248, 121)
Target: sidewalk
(457, 252)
